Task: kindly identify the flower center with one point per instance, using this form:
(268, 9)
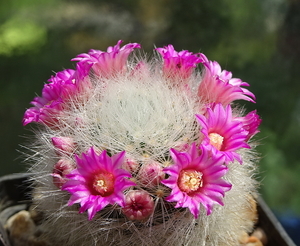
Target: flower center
(103, 184)
(190, 180)
(216, 140)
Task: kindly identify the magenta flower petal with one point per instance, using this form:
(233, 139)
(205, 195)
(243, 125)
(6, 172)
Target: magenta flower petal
(222, 133)
(218, 86)
(250, 123)
(55, 96)
(98, 181)
(178, 64)
(45, 108)
(107, 63)
(196, 179)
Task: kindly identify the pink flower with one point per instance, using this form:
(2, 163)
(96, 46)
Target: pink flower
(63, 144)
(45, 107)
(139, 205)
(60, 171)
(98, 181)
(218, 86)
(150, 174)
(250, 123)
(178, 64)
(222, 133)
(55, 96)
(107, 63)
(64, 82)
(131, 165)
(196, 179)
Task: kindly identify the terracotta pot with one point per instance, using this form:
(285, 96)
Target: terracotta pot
(15, 190)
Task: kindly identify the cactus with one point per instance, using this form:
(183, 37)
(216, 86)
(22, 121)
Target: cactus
(136, 151)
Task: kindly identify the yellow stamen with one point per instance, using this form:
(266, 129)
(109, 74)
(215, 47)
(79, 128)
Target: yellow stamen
(190, 180)
(216, 140)
(103, 184)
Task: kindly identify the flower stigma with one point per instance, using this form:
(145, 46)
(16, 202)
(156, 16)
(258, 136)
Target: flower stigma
(103, 184)
(190, 181)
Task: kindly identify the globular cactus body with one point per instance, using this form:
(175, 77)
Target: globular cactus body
(143, 152)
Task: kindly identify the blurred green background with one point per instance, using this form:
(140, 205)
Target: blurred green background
(258, 40)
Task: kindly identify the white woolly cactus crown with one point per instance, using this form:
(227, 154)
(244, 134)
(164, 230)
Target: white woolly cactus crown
(137, 152)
